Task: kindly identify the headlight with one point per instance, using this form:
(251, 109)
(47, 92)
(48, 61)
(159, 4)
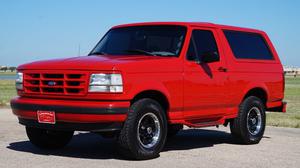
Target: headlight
(106, 83)
(19, 81)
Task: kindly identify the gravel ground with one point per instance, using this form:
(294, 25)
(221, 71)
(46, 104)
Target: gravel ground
(208, 147)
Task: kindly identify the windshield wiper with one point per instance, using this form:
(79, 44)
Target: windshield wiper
(164, 53)
(98, 53)
(140, 52)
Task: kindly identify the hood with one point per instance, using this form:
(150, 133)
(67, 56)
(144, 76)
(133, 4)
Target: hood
(98, 63)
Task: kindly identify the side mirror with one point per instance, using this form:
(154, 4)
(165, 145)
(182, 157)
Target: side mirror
(211, 56)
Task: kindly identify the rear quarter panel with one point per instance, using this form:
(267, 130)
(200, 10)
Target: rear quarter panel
(246, 74)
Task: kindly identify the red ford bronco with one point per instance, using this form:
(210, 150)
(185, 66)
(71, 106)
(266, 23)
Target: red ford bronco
(143, 82)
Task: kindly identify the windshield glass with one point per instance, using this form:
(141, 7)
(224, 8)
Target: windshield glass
(142, 40)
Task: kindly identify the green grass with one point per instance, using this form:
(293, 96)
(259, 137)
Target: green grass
(7, 91)
(292, 96)
(7, 73)
(289, 119)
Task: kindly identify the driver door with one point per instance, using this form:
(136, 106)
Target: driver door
(205, 91)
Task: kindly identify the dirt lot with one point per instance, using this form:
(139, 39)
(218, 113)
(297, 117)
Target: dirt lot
(209, 147)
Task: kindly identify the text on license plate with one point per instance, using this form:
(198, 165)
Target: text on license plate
(46, 117)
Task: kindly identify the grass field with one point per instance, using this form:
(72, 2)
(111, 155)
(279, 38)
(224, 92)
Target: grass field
(289, 119)
(292, 96)
(7, 73)
(7, 91)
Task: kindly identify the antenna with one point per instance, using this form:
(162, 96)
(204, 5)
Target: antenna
(79, 49)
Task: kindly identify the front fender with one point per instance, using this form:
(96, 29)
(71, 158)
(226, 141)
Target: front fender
(169, 84)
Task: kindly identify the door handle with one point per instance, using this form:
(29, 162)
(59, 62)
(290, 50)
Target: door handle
(222, 69)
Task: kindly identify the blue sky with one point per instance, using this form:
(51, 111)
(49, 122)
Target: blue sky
(34, 30)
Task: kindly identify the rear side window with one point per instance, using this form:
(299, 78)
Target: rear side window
(202, 42)
(246, 45)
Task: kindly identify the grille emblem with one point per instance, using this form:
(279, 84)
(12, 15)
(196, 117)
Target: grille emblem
(52, 83)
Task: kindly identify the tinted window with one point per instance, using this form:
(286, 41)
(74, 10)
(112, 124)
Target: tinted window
(202, 42)
(152, 40)
(248, 45)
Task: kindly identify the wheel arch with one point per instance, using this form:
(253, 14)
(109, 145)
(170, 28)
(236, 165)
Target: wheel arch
(258, 92)
(160, 97)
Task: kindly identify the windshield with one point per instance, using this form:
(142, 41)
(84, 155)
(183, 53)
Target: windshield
(145, 40)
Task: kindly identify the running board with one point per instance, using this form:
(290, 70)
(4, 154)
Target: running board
(204, 124)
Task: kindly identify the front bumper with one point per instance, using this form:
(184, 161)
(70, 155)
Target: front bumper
(72, 114)
(66, 126)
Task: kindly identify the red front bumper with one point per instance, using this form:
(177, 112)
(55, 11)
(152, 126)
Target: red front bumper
(72, 111)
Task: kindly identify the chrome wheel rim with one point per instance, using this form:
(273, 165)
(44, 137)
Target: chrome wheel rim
(254, 121)
(148, 130)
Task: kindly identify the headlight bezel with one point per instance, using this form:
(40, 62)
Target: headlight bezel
(105, 83)
(19, 80)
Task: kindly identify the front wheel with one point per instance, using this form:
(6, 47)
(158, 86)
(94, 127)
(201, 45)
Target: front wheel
(145, 130)
(48, 139)
(249, 126)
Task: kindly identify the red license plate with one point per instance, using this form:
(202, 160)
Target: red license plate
(46, 117)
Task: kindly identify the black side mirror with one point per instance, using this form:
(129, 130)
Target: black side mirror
(211, 56)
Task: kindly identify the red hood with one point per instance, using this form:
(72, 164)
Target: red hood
(97, 63)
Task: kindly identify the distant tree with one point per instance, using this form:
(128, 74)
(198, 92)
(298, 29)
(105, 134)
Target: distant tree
(4, 68)
(12, 69)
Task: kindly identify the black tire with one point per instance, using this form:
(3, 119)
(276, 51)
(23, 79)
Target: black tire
(246, 128)
(131, 145)
(48, 139)
(173, 129)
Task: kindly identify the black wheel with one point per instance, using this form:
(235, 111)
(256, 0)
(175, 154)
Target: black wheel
(145, 130)
(173, 129)
(249, 126)
(48, 139)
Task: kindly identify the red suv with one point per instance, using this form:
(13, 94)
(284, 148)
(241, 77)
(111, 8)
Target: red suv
(143, 82)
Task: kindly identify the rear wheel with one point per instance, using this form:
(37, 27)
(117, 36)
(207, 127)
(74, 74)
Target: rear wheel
(144, 133)
(48, 139)
(249, 126)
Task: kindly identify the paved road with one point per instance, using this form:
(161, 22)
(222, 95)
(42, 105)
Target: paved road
(209, 147)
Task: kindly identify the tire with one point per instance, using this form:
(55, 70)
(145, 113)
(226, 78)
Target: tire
(249, 126)
(173, 129)
(48, 139)
(146, 119)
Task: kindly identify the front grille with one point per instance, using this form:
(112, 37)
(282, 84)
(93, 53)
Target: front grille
(52, 83)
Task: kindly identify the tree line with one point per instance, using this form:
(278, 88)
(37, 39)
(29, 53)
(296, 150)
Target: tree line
(6, 68)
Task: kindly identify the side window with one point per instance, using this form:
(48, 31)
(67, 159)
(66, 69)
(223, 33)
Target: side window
(246, 45)
(202, 42)
(192, 54)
